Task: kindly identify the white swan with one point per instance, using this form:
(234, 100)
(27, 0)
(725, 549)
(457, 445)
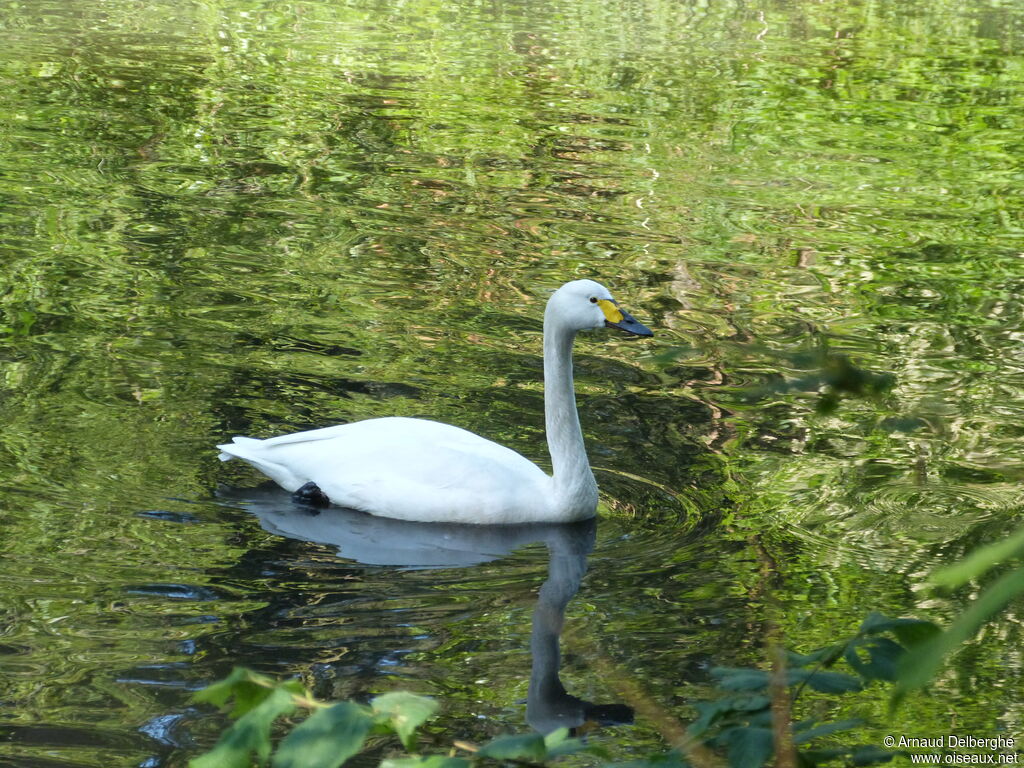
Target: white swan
(415, 469)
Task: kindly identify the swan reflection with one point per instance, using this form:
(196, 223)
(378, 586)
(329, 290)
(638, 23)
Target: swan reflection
(548, 705)
(403, 544)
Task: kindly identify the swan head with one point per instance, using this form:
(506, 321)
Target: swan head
(583, 304)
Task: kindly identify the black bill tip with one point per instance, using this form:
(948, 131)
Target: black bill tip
(629, 324)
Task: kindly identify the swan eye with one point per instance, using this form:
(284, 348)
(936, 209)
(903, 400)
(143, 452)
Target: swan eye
(593, 300)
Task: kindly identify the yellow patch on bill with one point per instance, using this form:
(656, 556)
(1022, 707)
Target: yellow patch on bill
(611, 312)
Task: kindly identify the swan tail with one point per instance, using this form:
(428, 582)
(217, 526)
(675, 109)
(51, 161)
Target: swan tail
(226, 452)
(249, 450)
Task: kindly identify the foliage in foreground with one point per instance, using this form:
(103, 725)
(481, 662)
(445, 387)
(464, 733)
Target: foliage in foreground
(758, 709)
(744, 722)
(333, 733)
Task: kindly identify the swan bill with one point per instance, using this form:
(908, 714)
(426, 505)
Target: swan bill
(629, 324)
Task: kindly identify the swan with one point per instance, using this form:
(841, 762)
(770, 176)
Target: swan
(425, 471)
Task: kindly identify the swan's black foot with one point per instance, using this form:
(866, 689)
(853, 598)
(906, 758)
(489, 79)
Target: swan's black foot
(311, 496)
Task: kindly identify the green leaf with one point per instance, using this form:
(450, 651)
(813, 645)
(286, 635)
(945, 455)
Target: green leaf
(915, 632)
(875, 623)
(430, 761)
(826, 729)
(761, 718)
(748, 703)
(711, 712)
(747, 747)
(406, 712)
(558, 743)
(918, 668)
(826, 656)
(979, 561)
(247, 688)
(250, 733)
(528, 746)
(732, 679)
(556, 737)
(825, 682)
(233, 750)
(325, 739)
(741, 679)
(883, 656)
(907, 631)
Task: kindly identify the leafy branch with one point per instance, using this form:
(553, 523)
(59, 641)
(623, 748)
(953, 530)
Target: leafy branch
(334, 732)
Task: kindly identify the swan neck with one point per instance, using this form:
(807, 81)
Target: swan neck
(575, 488)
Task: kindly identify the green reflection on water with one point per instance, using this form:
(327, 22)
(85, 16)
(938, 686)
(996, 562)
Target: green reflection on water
(244, 217)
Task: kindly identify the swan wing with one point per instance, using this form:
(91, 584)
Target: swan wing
(409, 469)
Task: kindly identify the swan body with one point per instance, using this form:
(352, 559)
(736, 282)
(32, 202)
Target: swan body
(409, 469)
(422, 470)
